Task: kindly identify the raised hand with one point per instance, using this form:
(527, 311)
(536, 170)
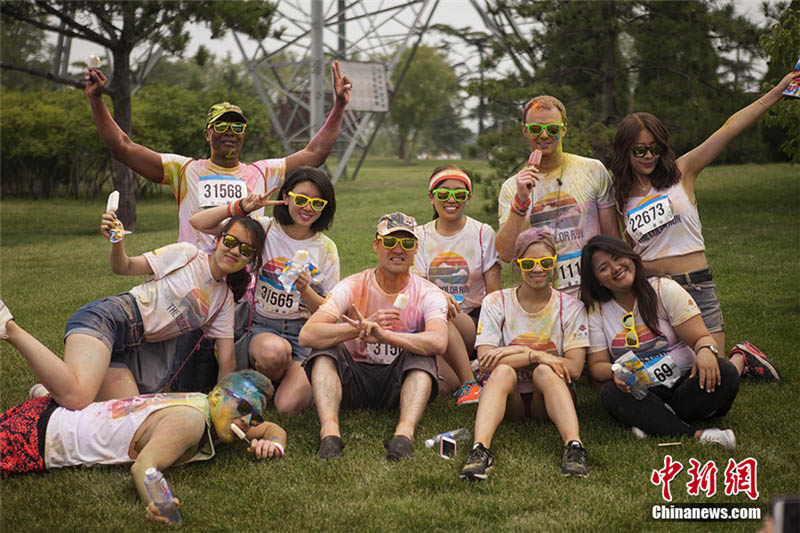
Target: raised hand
(341, 85)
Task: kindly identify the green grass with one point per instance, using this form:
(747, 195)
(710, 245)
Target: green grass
(54, 261)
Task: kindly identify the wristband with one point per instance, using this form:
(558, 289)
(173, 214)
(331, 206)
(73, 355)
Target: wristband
(523, 205)
(229, 209)
(530, 352)
(518, 209)
(278, 445)
(238, 209)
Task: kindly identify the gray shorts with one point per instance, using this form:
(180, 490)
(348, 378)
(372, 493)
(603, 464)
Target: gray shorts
(371, 385)
(705, 296)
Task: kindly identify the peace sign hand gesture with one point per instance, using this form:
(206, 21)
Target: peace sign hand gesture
(341, 85)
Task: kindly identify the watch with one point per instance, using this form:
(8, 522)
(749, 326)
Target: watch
(710, 347)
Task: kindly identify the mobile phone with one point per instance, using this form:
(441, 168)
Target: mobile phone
(785, 513)
(447, 447)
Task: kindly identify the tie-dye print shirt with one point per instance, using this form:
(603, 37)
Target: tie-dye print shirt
(200, 184)
(182, 295)
(425, 303)
(101, 433)
(569, 211)
(675, 306)
(457, 263)
(559, 327)
(323, 257)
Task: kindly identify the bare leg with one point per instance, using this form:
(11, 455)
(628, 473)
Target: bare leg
(557, 403)
(118, 383)
(466, 328)
(271, 355)
(294, 393)
(450, 383)
(327, 395)
(456, 354)
(74, 381)
(414, 396)
(719, 338)
(498, 397)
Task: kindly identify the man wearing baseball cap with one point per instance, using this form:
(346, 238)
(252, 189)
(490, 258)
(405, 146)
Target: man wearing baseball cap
(375, 340)
(202, 183)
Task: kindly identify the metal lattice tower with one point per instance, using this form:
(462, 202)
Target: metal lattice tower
(289, 69)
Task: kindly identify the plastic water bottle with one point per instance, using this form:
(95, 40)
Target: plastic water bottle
(622, 373)
(456, 434)
(158, 490)
(296, 266)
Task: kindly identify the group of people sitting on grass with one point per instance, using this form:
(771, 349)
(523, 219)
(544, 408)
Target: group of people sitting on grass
(431, 317)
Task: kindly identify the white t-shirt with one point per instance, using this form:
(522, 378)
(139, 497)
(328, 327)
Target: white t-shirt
(200, 184)
(425, 303)
(271, 299)
(675, 306)
(456, 264)
(569, 211)
(101, 432)
(559, 327)
(182, 295)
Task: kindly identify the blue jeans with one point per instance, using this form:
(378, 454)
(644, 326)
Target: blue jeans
(114, 320)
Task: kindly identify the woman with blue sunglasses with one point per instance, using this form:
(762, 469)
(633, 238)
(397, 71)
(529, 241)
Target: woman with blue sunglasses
(457, 254)
(305, 209)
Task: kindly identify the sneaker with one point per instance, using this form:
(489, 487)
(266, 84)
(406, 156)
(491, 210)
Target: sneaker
(5, 316)
(330, 447)
(723, 437)
(757, 366)
(638, 433)
(479, 462)
(573, 460)
(398, 447)
(38, 391)
(470, 392)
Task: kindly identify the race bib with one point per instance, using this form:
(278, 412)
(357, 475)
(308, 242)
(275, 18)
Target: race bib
(382, 354)
(663, 371)
(277, 301)
(216, 190)
(649, 216)
(569, 269)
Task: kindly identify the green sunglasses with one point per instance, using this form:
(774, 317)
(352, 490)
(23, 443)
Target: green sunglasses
(640, 151)
(236, 127)
(407, 243)
(444, 195)
(552, 129)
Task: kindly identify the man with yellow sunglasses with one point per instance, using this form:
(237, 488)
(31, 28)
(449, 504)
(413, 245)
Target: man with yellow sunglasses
(375, 340)
(222, 178)
(567, 194)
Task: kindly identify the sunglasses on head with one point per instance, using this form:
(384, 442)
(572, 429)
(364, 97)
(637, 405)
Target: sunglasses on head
(301, 200)
(631, 338)
(444, 195)
(526, 264)
(407, 243)
(246, 249)
(552, 129)
(236, 127)
(245, 408)
(641, 151)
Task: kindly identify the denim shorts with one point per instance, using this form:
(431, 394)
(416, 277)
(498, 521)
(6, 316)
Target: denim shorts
(705, 296)
(115, 321)
(287, 329)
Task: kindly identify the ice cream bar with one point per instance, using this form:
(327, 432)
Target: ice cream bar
(238, 431)
(535, 158)
(401, 301)
(301, 256)
(113, 202)
(94, 61)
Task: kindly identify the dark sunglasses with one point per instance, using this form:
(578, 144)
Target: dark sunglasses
(641, 151)
(245, 408)
(246, 249)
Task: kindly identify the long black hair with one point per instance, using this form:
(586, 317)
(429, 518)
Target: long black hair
(593, 291)
(239, 281)
(318, 178)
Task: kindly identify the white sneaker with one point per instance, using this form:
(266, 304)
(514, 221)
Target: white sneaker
(38, 391)
(723, 437)
(638, 433)
(5, 316)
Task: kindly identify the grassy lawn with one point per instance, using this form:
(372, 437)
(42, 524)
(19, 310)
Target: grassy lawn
(54, 260)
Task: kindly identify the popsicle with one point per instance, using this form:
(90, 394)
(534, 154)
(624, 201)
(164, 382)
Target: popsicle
(111, 207)
(535, 158)
(239, 433)
(94, 61)
(401, 301)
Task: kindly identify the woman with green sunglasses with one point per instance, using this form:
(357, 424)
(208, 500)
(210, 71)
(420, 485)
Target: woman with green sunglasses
(655, 197)
(305, 209)
(187, 289)
(458, 255)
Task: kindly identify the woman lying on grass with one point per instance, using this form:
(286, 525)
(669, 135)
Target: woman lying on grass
(659, 322)
(187, 289)
(533, 340)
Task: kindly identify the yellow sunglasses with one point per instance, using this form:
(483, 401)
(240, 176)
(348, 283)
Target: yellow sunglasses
(631, 338)
(301, 200)
(236, 127)
(407, 243)
(526, 264)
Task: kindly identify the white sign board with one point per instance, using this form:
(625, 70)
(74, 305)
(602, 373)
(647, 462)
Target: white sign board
(369, 86)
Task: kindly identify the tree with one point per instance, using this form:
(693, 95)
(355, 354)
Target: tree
(120, 27)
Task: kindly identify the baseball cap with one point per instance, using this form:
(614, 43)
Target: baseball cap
(397, 222)
(223, 108)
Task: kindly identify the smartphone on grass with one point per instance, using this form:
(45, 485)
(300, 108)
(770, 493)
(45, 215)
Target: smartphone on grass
(447, 447)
